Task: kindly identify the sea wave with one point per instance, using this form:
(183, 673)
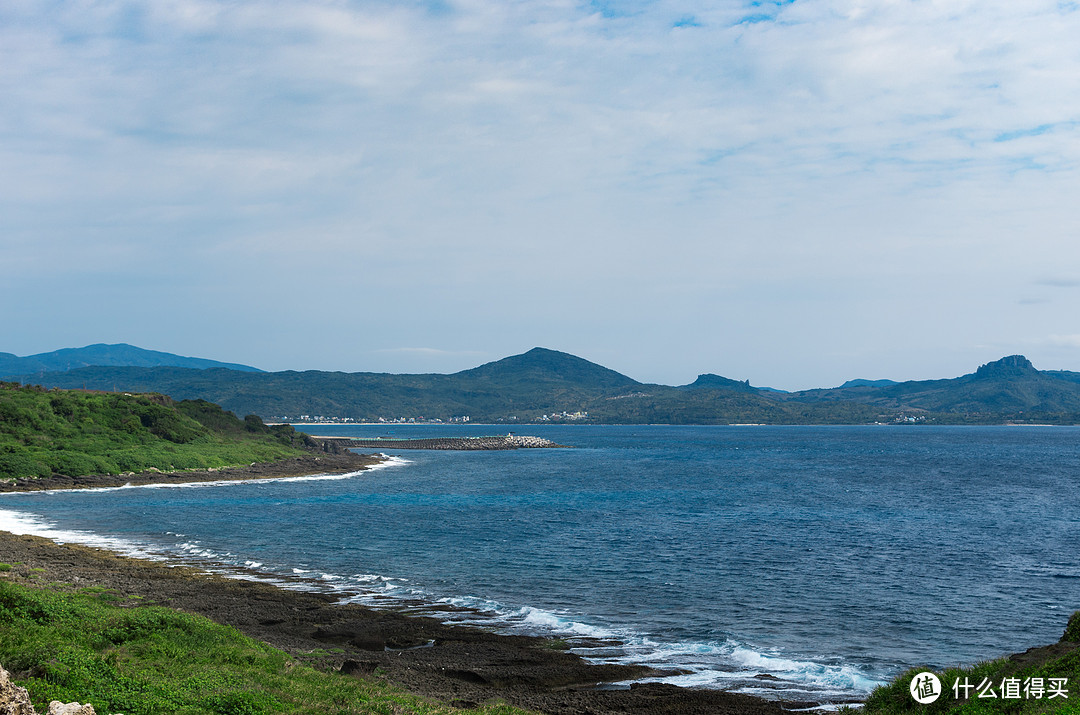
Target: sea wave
(729, 665)
(28, 524)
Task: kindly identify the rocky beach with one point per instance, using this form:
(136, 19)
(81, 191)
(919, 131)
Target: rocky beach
(458, 665)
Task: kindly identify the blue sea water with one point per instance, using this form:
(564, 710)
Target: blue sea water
(828, 557)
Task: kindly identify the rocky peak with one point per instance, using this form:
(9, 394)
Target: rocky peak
(1010, 366)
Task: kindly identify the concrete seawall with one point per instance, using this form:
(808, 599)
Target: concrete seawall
(455, 443)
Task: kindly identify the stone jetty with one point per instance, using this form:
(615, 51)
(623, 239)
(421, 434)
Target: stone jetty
(509, 441)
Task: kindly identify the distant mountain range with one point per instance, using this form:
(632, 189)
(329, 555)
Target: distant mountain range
(544, 385)
(100, 354)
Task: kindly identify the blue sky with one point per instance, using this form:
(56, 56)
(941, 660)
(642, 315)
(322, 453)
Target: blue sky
(794, 193)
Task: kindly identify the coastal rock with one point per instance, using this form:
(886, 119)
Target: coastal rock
(498, 442)
(58, 708)
(13, 699)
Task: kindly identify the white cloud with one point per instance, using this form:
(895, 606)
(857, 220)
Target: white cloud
(1067, 341)
(649, 162)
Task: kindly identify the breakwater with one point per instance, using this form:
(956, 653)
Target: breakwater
(508, 441)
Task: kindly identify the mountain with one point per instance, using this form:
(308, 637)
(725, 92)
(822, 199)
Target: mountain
(710, 381)
(551, 367)
(868, 383)
(1009, 389)
(119, 355)
(544, 385)
(538, 382)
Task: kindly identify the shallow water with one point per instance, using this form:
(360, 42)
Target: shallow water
(830, 557)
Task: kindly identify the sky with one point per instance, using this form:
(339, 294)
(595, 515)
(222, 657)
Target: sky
(794, 193)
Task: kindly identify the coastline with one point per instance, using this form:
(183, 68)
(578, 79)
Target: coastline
(333, 461)
(459, 665)
(456, 664)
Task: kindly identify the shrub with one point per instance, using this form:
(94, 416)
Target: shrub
(1072, 629)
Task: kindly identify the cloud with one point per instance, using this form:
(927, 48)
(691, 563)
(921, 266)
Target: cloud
(1060, 282)
(550, 166)
(1067, 341)
(430, 352)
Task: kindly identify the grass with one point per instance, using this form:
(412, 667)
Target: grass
(76, 433)
(146, 660)
(1021, 679)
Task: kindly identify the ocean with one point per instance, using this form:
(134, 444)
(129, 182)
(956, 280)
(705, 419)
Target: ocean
(827, 559)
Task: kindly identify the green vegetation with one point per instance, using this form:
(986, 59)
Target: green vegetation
(75, 433)
(1032, 681)
(523, 388)
(145, 660)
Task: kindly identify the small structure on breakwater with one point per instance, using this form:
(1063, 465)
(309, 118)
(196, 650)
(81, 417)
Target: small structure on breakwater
(509, 441)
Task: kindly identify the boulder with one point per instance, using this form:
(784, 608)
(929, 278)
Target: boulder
(13, 699)
(58, 708)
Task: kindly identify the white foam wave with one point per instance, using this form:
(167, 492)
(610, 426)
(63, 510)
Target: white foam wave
(831, 677)
(196, 485)
(739, 668)
(28, 524)
(389, 460)
(728, 665)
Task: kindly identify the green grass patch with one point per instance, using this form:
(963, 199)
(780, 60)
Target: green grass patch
(1044, 681)
(145, 660)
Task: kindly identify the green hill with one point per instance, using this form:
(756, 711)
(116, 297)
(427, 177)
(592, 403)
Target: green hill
(75, 433)
(541, 367)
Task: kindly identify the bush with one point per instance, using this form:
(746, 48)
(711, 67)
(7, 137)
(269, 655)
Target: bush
(1072, 629)
(22, 465)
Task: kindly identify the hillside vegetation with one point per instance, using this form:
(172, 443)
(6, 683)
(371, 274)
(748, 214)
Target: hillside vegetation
(75, 433)
(540, 383)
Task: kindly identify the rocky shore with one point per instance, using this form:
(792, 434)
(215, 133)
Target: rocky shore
(453, 664)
